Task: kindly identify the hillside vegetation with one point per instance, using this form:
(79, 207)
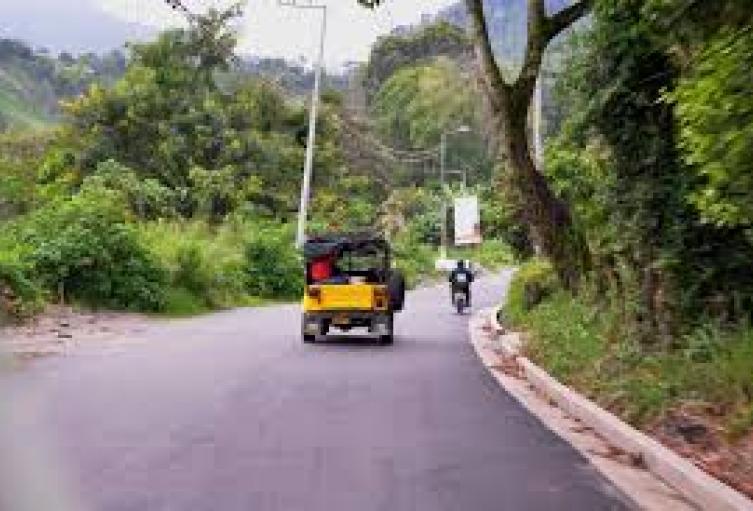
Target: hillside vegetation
(653, 163)
(33, 82)
(175, 187)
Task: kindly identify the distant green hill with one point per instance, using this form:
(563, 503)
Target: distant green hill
(22, 103)
(32, 83)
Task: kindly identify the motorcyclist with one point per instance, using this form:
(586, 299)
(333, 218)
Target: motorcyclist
(461, 278)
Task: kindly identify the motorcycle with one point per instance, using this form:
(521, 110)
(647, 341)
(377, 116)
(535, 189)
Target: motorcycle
(459, 301)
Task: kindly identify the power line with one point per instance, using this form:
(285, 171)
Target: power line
(425, 161)
(415, 154)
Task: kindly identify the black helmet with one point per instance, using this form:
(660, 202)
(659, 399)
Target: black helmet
(461, 264)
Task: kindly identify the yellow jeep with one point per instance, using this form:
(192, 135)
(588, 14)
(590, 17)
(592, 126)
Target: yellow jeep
(349, 284)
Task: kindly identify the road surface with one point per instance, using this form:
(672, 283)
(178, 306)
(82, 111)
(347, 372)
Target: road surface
(233, 412)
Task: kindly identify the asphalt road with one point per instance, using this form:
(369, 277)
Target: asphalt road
(233, 412)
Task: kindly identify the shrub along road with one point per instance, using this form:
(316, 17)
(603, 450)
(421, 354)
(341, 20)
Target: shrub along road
(231, 411)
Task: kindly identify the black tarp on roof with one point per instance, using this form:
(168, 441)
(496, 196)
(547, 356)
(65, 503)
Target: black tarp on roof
(335, 244)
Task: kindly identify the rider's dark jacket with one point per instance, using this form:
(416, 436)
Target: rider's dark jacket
(461, 278)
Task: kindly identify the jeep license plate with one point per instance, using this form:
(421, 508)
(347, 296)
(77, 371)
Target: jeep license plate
(341, 320)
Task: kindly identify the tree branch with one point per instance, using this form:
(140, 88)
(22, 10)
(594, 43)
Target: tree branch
(483, 47)
(541, 30)
(566, 17)
(535, 44)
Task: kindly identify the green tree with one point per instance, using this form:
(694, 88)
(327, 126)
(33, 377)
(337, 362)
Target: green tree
(618, 163)
(394, 52)
(20, 154)
(183, 117)
(416, 104)
(83, 248)
(715, 117)
(547, 215)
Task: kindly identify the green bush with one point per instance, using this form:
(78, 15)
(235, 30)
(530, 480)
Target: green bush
(568, 336)
(715, 118)
(413, 258)
(181, 302)
(203, 262)
(146, 197)
(20, 294)
(273, 265)
(589, 348)
(232, 264)
(534, 281)
(85, 248)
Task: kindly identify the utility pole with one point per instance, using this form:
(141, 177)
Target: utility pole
(443, 218)
(309, 161)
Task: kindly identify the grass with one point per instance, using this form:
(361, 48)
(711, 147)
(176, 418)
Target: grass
(182, 303)
(239, 263)
(587, 348)
(206, 264)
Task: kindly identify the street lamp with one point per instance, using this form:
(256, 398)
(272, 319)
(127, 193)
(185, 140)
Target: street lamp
(442, 171)
(309, 161)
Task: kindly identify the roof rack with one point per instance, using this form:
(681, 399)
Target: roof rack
(334, 244)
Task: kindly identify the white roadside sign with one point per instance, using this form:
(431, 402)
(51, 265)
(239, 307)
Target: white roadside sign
(467, 221)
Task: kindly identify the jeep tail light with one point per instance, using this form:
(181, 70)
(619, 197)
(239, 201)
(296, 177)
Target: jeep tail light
(380, 297)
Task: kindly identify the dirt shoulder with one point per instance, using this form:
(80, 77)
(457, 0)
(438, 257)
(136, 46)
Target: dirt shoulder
(694, 432)
(60, 329)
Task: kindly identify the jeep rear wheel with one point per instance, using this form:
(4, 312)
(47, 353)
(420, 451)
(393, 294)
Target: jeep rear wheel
(389, 337)
(305, 332)
(396, 290)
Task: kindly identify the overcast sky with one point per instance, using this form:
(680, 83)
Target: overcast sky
(271, 30)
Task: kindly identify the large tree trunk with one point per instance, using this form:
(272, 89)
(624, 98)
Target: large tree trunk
(546, 215)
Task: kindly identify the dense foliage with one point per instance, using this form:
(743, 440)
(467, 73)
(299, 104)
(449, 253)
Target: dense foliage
(653, 161)
(83, 248)
(396, 51)
(710, 367)
(273, 267)
(715, 115)
(20, 153)
(168, 120)
(634, 189)
(416, 104)
(175, 187)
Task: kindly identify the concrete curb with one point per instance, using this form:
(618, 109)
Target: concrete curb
(693, 483)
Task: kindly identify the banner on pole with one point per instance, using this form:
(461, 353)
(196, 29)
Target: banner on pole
(467, 221)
